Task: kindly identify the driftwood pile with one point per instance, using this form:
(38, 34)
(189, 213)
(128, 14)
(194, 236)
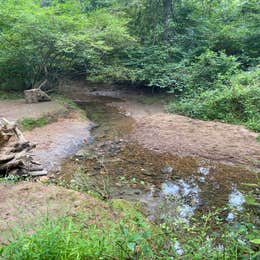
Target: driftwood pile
(15, 152)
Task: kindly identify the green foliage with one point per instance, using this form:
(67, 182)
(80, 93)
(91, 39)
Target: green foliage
(29, 123)
(131, 237)
(157, 66)
(239, 103)
(7, 95)
(209, 70)
(38, 43)
(68, 239)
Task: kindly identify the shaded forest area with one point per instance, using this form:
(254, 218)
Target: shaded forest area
(205, 52)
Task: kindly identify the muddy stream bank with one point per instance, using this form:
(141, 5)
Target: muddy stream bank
(165, 185)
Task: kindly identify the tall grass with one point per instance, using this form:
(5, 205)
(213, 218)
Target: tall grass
(131, 237)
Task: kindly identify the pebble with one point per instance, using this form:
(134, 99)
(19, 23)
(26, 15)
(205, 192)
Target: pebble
(167, 169)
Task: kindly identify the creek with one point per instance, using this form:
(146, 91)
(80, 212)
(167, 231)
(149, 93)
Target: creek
(165, 185)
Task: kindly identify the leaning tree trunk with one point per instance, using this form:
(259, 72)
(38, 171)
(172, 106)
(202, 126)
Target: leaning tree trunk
(15, 152)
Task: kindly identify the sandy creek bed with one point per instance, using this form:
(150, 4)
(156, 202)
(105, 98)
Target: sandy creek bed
(116, 164)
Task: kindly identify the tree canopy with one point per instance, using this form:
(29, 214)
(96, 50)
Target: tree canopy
(182, 46)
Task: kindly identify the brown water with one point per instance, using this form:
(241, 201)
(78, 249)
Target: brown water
(166, 186)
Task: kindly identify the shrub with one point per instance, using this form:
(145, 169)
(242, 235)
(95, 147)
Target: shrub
(239, 103)
(209, 70)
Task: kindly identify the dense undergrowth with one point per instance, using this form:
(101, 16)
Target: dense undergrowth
(132, 237)
(237, 103)
(190, 48)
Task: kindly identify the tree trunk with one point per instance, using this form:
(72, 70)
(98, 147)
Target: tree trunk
(167, 15)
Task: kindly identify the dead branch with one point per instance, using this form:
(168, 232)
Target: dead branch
(15, 152)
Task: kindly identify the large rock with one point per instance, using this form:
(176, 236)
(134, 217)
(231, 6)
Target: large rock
(36, 95)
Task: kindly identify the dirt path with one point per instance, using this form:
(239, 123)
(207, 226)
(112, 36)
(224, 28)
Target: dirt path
(163, 132)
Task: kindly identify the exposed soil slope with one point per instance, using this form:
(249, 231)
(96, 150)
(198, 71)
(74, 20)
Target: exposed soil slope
(27, 204)
(59, 140)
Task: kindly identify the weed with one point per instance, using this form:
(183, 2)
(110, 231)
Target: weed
(132, 237)
(10, 95)
(29, 123)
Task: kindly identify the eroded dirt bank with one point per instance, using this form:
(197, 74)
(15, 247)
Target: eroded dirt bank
(58, 140)
(25, 205)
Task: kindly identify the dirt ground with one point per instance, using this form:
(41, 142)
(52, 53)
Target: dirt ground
(14, 110)
(60, 139)
(26, 204)
(163, 132)
(54, 141)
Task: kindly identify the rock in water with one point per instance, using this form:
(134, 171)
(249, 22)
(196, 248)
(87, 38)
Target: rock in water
(15, 152)
(36, 95)
(167, 169)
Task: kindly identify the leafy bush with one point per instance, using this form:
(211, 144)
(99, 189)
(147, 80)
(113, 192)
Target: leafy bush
(239, 103)
(156, 66)
(209, 70)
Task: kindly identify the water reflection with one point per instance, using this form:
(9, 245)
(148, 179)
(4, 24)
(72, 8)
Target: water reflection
(204, 170)
(236, 200)
(167, 185)
(176, 200)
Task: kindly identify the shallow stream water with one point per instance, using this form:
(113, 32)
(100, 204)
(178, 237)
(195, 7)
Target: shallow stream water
(165, 185)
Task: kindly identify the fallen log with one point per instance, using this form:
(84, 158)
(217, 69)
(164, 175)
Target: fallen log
(15, 152)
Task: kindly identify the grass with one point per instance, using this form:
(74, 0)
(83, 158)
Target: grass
(131, 236)
(28, 123)
(10, 95)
